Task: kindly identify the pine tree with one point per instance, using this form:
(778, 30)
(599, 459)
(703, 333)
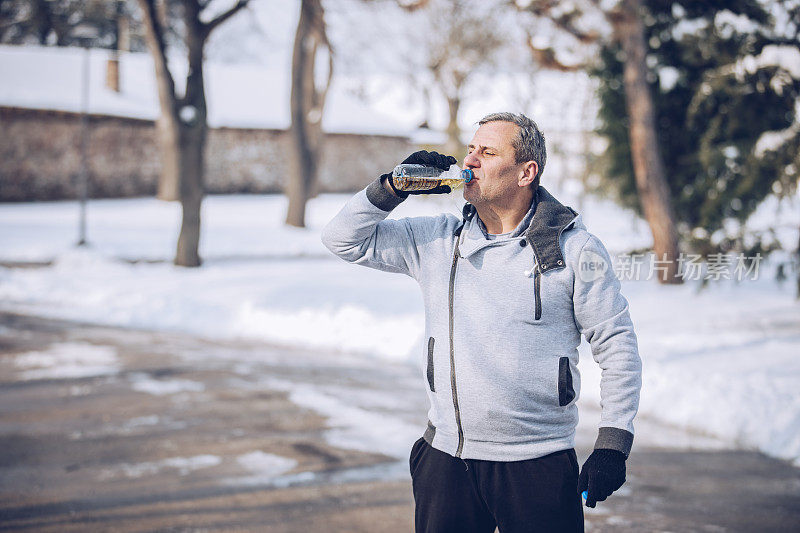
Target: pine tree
(716, 94)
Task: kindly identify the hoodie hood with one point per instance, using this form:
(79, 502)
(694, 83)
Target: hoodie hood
(542, 226)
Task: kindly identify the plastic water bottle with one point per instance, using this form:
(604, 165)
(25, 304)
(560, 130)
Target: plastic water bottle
(411, 177)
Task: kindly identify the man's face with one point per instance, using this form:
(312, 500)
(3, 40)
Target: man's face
(492, 160)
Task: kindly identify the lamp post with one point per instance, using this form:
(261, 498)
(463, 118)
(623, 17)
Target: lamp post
(85, 34)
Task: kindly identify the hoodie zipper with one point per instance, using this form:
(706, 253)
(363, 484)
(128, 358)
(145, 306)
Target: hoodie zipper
(537, 291)
(452, 352)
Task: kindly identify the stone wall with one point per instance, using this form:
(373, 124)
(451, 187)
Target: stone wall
(40, 157)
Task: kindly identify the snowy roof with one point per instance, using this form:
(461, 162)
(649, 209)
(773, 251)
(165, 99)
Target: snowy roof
(238, 96)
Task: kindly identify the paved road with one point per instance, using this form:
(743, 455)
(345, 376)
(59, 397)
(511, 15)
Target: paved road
(176, 433)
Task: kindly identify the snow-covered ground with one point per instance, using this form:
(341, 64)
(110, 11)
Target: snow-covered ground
(722, 361)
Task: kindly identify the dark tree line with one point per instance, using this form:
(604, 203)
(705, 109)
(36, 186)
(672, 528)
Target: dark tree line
(53, 22)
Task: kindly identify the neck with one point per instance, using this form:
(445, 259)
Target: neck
(502, 217)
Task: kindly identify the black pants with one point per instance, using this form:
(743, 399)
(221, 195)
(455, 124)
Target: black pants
(465, 496)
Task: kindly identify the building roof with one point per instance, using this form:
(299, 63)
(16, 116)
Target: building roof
(238, 96)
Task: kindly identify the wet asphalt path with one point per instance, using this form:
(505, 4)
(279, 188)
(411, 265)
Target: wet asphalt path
(163, 437)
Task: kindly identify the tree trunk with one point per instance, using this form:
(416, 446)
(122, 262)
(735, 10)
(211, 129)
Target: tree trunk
(112, 63)
(112, 72)
(191, 189)
(168, 132)
(167, 125)
(183, 125)
(797, 272)
(647, 163)
(453, 146)
(43, 20)
(191, 171)
(192, 142)
(307, 105)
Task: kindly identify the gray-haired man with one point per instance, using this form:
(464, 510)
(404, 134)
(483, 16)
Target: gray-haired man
(509, 288)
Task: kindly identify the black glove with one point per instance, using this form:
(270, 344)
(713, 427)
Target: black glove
(602, 473)
(429, 159)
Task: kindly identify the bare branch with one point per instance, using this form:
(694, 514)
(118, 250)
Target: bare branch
(222, 17)
(547, 59)
(566, 22)
(158, 48)
(412, 6)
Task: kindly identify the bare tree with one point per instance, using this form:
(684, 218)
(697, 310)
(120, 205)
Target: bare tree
(456, 39)
(627, 28)
(183, 125)
(442, 45)
(310, 83)
(461, 39)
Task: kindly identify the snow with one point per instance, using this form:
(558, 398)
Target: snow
(353, 426)
(239, 96)
(184, 466)
(158, 387)
(668, 77)
(689, 27)
(773, 140)
(132, 426)
(727, 22)
(264, 469)
(68, 360)
(719, 362)
(724, 363)
(256, 95)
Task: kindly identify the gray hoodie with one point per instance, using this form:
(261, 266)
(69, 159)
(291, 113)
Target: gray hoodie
(503, 320)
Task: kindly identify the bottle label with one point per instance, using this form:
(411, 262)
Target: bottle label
(404, 183)
(411, 177)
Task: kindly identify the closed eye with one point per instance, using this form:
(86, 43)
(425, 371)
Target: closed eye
(483, 150)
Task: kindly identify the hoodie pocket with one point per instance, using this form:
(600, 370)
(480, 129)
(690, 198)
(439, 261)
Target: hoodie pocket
(430, 364)
(565, 391)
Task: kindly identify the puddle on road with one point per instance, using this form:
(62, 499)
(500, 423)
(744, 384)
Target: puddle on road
(383, 472)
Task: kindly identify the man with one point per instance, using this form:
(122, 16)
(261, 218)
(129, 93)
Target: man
(509, 288)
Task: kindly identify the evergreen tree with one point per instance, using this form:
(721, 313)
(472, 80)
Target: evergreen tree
(715, 95)
(53, 22)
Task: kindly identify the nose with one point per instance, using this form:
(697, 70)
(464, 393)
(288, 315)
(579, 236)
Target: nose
(470, 161)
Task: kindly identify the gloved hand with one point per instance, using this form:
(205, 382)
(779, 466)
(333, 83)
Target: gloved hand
(429, 159)
(602, 473)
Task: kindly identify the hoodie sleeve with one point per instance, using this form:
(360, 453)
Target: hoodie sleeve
(360, 233)
(601, 314)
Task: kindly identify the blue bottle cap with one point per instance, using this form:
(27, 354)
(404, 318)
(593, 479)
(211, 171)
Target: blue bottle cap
(467, 175)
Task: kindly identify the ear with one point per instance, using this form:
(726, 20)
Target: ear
(528, 173)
